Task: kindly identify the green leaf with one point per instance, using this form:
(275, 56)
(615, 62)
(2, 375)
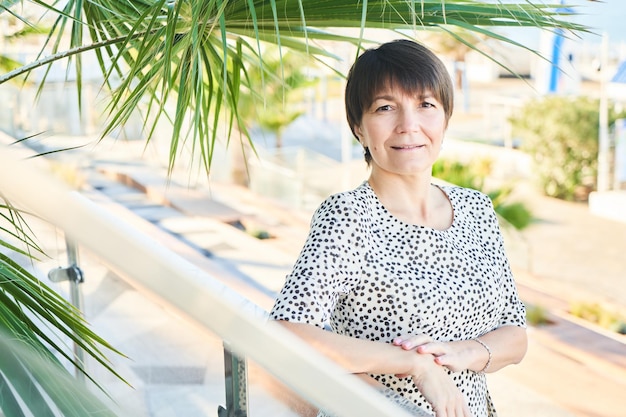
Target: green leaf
(29, 380)
(189, 52)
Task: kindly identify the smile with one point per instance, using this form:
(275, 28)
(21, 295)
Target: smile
(407, 147)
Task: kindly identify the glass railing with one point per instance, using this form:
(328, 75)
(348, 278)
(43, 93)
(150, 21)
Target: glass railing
(299, 177)
(282, 361)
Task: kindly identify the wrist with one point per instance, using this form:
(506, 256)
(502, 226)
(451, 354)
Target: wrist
(422, 363)
(484, 347)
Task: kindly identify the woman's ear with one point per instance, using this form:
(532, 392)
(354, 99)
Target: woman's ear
(358, 133)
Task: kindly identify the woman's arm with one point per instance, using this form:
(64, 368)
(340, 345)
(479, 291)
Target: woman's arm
(360, 356)
(506, 345)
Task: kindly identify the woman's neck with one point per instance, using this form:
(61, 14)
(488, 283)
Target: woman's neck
(413, 200)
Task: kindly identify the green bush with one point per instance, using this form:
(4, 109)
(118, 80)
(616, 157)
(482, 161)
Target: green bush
(537, 315)
(561, 135)
(463, 175)
(603, 317)
(472, 175)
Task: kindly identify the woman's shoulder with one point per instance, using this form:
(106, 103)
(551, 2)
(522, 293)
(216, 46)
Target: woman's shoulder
(468, 199)
(465, 194)
(355, 201)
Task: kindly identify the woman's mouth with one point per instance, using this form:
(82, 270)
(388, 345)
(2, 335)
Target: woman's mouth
(407, 147)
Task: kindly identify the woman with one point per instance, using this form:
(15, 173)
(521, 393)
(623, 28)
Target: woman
(411, 277)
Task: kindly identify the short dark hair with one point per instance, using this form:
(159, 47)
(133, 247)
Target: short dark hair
(404, 63)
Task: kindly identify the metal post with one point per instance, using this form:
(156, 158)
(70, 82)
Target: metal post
(603, 140)
(74, 275)
(236, 380)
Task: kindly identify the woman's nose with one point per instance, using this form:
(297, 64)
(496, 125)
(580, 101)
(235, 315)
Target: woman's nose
(408, 121)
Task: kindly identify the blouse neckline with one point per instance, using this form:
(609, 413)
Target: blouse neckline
(412, 225)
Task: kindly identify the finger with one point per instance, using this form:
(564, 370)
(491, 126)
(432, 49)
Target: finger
(466, 411)
(441, 360)
(440, 412)
(412, 341)
(460, 409)
(448, 362)
(433, 348)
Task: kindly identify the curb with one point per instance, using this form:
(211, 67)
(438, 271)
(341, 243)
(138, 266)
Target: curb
(575, 338)
(594, 352)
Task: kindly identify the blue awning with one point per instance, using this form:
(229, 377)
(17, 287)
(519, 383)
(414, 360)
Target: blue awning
(620, 75)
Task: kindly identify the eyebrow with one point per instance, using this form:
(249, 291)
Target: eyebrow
(382, 97)
(391, 97)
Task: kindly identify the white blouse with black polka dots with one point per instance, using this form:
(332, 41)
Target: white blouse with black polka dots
(369, 275)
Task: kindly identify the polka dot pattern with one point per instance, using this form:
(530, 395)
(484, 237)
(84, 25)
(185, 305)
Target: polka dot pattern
(369, 275)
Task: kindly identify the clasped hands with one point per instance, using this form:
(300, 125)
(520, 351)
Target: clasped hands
(431, 379)
(452, 355)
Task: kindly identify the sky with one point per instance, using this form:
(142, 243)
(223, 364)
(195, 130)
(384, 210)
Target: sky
(607, 16)
(601, 17)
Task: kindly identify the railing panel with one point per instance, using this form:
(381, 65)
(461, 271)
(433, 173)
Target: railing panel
(192, 291)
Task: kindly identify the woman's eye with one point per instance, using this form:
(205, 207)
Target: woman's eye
(385, 107)
(427, 104)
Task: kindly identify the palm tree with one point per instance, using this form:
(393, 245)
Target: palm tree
(272, 102)
(195, 55)
(188, 61)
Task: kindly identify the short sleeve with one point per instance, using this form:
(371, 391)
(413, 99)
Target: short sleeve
(514, 313)
(329, 264)
(513, 309)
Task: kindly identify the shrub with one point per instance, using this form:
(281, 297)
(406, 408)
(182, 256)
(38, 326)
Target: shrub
(561, 135)
(514, 213)
(536, 315)
(603, 317)
(472, 175)
(457, 173)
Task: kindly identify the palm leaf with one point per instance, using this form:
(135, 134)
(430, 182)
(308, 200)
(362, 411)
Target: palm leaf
(17, 227)
(32, 381)
(27, 308)
(191, 55)
(24, 296)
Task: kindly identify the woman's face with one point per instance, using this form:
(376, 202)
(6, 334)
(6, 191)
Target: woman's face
(403, 132)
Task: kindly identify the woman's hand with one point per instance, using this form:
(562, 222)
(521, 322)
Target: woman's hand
(457, 356)
(439, 389)
(431, 379)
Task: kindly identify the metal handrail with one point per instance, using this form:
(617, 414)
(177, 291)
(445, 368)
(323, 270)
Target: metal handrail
(191, 291)
(74, 274)
(235, 369)
(236, 380)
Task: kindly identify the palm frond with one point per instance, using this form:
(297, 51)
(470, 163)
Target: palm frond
(33, 383)
(28, 307)
(17, 227)
(31, 300)
(186, 60)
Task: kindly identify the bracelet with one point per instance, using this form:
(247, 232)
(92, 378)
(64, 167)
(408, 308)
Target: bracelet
(483, 344)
